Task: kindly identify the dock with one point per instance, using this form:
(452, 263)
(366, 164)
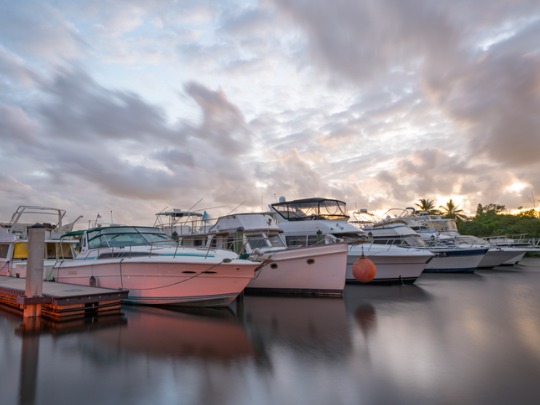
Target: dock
(60, 301)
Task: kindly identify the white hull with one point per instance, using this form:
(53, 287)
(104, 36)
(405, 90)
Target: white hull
(316, 270)
(499, 256)
(393, 264)
(162, 280)
(455, 260)
(515, 260)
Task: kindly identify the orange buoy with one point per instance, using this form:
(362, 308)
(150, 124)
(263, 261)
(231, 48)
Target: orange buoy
(364, 269)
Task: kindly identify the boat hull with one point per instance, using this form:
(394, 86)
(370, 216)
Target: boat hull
(499, 256)
(162, 281)
(455, 260)
(393, 264)
(314, 270)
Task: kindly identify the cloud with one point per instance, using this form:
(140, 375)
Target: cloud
(118, 143)
(473, 66)
(79, 108)
(163, 103)
(498, 97)
(223, 124)
(38, 31)
(364, 39)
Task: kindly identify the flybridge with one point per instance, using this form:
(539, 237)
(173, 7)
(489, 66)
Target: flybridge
(311, 209)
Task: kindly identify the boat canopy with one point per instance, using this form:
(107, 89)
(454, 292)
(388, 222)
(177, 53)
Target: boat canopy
(312, 209)
(178, 213)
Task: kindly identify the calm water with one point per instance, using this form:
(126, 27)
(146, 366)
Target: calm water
(448, 339)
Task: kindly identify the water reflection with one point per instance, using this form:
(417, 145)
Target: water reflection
(205, 334)
(447, 338)
(313, 326)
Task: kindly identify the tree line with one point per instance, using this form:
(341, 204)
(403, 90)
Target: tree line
(489, 220)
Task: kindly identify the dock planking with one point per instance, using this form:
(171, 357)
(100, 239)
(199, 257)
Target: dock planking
(60, 301)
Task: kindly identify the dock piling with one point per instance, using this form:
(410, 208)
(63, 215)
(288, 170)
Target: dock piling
(34, 269)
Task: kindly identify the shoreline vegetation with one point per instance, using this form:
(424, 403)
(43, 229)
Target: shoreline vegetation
(490, 220)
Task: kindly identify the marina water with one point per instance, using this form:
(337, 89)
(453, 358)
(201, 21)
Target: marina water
(447, 339)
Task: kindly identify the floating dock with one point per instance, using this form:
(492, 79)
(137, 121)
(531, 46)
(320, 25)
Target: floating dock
(60, 301)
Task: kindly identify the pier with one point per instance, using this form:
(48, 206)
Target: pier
(61, 301)
(36, 298)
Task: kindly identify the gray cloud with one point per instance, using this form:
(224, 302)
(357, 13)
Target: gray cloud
(223, 124)
(115, 142)
(363, 39)
(474, 64)
(378, 103)
(42, 34)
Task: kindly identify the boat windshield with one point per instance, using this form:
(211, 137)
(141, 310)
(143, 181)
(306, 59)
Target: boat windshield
(312, 209)
(276, 241)
(127, 236)
(257, 241)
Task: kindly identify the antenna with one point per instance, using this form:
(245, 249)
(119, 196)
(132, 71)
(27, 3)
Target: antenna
(194, 205)
(235, 208)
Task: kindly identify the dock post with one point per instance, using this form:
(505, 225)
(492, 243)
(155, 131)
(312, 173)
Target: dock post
(34, 269)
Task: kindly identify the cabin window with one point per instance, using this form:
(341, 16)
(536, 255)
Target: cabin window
(314, 240)
(198, 242)
(20, 251)
(296, 240)
(58, 251)
(4, 250)
(230, 244)
(276, 240)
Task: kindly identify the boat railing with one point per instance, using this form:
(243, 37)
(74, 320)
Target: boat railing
(389, 244)
(514, 240)
(172, 249)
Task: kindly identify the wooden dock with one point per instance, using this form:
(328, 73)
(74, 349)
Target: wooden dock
(61, 301)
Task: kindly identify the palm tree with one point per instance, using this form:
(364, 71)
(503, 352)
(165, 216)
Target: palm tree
(451, 210)
(427, 205)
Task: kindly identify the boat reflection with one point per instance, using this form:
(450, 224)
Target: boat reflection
(206, 334)
(358, 295)
(365, 318)
(316, 326)
(372, 309)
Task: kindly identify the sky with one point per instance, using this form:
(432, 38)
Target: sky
(124, 109)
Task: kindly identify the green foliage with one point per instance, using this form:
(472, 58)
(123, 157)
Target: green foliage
(489, 209)
(490, 222)
(451, 210)
(427, 205)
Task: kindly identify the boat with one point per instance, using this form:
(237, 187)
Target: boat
(518, 241)
(154, 268)
(314, 270)
(438, 230)
(14, 239)
(449, 258)
(318, 221)
(178, 223)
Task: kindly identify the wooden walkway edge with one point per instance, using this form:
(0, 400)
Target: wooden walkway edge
(60, 301)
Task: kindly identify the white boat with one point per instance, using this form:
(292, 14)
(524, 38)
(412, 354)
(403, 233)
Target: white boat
(14, 239)
(520, 241)
(437, 229)
(179, 223)
(313, 270)
(155, 269)
(317, 221)
(396, 230)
